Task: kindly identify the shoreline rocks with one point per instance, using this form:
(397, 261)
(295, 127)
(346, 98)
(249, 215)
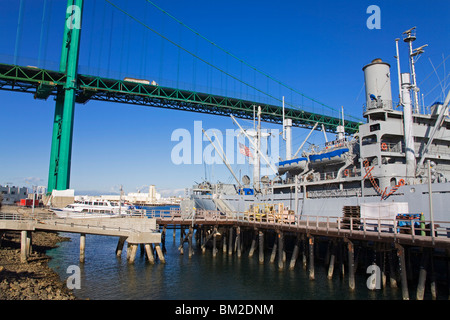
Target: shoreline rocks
(33, 280)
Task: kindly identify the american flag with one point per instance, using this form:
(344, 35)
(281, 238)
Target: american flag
(245, 150)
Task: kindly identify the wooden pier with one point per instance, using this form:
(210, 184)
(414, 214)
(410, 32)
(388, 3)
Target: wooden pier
(135, 230)
(342, 243)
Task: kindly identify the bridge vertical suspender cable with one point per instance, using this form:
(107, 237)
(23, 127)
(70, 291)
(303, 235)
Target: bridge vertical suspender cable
(268, 76)
(18, 32)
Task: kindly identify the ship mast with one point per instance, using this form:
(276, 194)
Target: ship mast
(410, 36)
(257, 163)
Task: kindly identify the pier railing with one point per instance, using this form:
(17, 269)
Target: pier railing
(413, 229)
(398, 227)
(88, 222)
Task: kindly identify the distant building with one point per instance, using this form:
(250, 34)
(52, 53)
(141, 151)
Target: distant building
(13, 194)
(151, 198)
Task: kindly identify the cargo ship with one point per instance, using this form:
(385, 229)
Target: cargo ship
(400, 153)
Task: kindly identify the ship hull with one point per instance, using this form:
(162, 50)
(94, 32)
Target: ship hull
(417, 197)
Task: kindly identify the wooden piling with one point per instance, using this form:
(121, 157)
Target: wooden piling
(230, 244)
(29, 243)
(392, 273)
(133, 251)
(23, 247)
(149, 250)
(82, 247)
(304, 253)
(261, 247)
(404, 281)
(422, 275)
(295, 253)
(224, 241)
(433, 276)
(311, 258)
(128, 250)
(252, 246)
(214, 242)
(332, 259)
(274, 251)
(132, 255)
(351, 264)
(191, 250)
(160, 253)
(280, 251)
(238, 241)
(163, 238)
(119, 247)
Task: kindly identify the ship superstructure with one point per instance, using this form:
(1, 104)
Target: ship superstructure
(395, 157)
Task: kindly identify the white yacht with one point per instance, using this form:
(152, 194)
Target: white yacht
(92, 209)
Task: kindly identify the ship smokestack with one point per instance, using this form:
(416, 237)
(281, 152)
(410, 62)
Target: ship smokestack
(378, 85)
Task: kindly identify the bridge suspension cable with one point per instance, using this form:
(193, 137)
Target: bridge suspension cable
(228, 74)
(239, 59)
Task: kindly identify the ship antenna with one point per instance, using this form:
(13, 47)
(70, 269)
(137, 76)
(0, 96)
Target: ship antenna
(410, 36)
(398, 71)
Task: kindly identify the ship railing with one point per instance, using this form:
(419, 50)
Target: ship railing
(351, 192)
(392, 147)
(347, 173)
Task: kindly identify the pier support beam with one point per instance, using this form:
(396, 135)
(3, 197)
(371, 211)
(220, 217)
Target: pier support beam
(191, 250)
(230, 244)
(392, 273)
(274, 250)
(133, 252)
(280, 251)
(252, 247)
(295, 254)
(422, 275)
(224, 241)
(215, 242)
(238, 241)
(351, 264)
(23, 247)
(332, 260)
(82, 247)
(404, 281)
(311, 258)
(261, 247)
(149, 251)
(119, 247)
(160, 253)
(433, 277)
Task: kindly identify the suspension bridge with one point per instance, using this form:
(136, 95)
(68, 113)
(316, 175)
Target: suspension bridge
(69, 87)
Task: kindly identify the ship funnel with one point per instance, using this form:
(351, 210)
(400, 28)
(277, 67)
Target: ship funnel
(378, 85)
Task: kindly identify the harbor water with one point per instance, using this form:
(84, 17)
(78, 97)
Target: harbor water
(103, 276)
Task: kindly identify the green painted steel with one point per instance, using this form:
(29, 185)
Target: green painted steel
(68, 87)
(102, 89)
(61, 150)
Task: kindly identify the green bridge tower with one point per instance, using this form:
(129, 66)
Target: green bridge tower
(61, 151)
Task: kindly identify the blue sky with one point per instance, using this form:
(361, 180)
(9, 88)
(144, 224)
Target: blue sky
(316, 47)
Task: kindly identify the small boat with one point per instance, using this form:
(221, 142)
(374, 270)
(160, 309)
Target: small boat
(92, 209)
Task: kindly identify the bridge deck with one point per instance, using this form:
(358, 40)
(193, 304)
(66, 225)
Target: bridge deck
(136, 229)
(43, 83)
